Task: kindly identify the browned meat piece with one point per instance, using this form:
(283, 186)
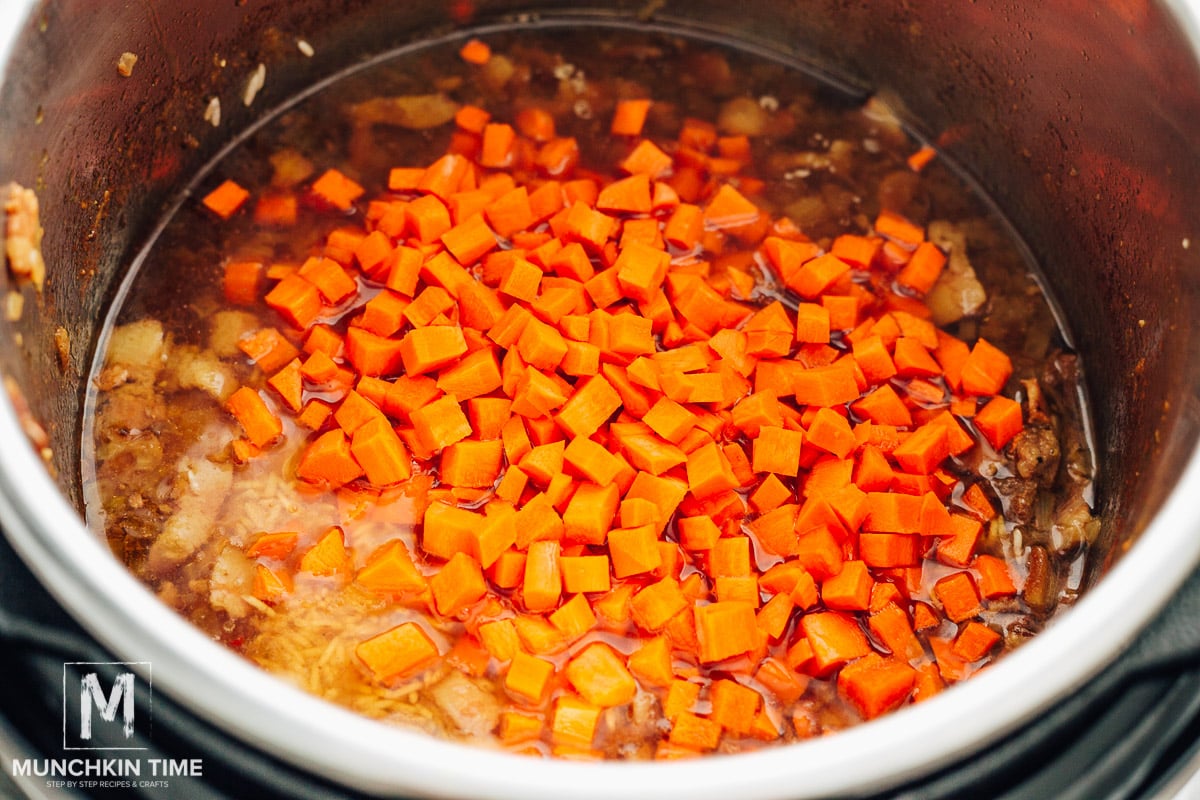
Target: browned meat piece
(130, 408)
(203, 488)
(475, 711)
(1036, 453)
(415, 112)
(1074, 524)
(1041, 585)
(1019, 498)
(958, 292)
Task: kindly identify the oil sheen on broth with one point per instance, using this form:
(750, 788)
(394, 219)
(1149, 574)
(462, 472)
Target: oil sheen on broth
(278, 568)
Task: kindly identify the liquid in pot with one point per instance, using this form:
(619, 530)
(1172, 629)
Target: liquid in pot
(500, 390)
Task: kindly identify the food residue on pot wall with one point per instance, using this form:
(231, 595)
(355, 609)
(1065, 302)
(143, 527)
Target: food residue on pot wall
(23, 235)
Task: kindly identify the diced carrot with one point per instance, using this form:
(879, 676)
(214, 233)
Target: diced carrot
(734, 706)
(538, 520)
(536, 123)
(958, 596)
(653, 606)
(894, 226)
(585, 573)
(923, 268)
(929, 682)
(850, 589)
(375, 355)
(817, 275)
(875, 684)
(383, 457)
(226, 199)
(268, 349)
(543, 577)
(978, 504)
(999, 421)
(921, 158)
(573, 722)
(629, 117)
(641, 270)
(261, 425)
(774, 616)
(421, 350)
(328, 556)
(974, 641)
(818, 551)
(600, 676)
(694, 732)
(626, 196)
(913, 360)
(633, 550)
(646, 159)
(725, 629)
(296, 300)
(398, 652)
(440, 423)
(708, 472)
(951, 666)
(458, 585)
(885, 550)
(728, 208)
(390, 570)
(471, 118)
(923, 450)
(651, 663)
(508, 570)
(824, 387)
(590, 512)
(337, 190)
(472, 464)
(287, 383)
(475, 52)
(995, 579)
(891, 626)
(544, 462)
(957, 544)
(499, 637)
(330, 279)
(496, 149)
(777, 450)
(681, 697)
(558, 157)
(892, 513)
(528, 676)
(242, 282)
(831, 432)
(470, 240)
(835, 638)
(270, 585)
(985, 370)
(511, 212)
(782, 681)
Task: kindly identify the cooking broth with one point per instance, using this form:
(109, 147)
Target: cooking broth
(278, 567)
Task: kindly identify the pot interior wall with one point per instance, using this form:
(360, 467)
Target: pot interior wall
(1080, 120)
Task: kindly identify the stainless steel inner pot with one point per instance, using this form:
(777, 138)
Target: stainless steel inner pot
(1080, 119)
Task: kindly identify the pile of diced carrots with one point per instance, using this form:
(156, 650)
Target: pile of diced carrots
(672, 445)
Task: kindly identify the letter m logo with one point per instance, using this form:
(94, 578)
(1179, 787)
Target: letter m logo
(90, 694)
(100, 713)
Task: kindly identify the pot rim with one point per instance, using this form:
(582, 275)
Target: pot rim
(340, 745)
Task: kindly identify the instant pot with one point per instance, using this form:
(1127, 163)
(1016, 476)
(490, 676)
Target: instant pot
(1080, 119)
